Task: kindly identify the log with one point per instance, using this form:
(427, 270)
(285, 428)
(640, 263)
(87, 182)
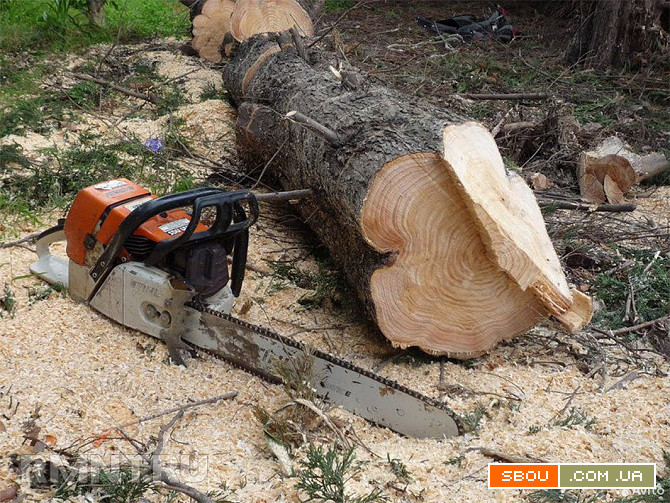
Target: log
(214, 20)
(252, 17)
(393, 202)
(608, 171)
(210, 26)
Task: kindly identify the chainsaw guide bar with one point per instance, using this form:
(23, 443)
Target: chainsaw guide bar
(370, 396)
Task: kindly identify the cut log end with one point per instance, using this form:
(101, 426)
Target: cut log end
(210, 28)
(253, 16)
(507, 215)
(440, 290)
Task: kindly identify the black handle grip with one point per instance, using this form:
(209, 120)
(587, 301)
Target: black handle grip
(225, 204)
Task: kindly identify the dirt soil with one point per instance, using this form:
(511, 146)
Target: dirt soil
(70, 377)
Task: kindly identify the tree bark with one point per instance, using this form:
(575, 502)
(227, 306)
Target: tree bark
(619, 32)
(388, 201)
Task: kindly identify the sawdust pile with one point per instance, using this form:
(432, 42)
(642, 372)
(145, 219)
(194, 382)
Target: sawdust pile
(76, 375)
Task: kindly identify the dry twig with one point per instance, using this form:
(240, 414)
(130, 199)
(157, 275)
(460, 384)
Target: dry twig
(116, 87)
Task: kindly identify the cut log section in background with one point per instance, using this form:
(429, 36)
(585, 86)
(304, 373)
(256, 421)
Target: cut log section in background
(213, 20)
(447, 252)
(210, 28)
(608, 171)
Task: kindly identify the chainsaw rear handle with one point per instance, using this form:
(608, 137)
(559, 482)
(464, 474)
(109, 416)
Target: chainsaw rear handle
(206, 196)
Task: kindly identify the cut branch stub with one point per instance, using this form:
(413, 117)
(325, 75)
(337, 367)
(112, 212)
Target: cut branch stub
(252, 17)
(210, 28)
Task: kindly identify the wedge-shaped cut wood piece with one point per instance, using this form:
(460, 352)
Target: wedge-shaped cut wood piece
(440, 291)
(507, 216)
(612, 190)
(210, 27)
(251, 17)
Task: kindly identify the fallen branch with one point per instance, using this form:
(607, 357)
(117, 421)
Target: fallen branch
(172, 483)
(625, 379)
(565, 205)
(181, 408)
(288, 195)
(511, 96)
(116, 87)
(517, 126)
(25, 239)
(610, 335)
(161, 475)
(635, 328)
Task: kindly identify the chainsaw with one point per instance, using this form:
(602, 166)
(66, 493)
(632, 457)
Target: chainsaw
(159, 265)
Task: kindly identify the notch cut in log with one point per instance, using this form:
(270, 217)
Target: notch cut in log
(436, 266)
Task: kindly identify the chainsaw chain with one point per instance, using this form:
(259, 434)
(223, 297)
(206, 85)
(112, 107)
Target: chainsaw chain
(203, 308)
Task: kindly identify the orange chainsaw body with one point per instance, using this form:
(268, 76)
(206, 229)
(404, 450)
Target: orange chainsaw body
(98, 210)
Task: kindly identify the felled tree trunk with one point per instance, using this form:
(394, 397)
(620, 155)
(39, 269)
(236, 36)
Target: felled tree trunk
(392, 203)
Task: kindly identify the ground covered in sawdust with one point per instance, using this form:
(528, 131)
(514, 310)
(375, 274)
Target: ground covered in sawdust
(73, 384)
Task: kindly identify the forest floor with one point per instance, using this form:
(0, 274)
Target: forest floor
(69, 377)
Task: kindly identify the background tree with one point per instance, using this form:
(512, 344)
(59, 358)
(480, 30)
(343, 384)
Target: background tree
(620, 32)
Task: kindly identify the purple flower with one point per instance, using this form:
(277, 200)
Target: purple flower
(154, 144)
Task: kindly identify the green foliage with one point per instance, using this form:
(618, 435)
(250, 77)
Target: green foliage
(338, 5)
(61, 14)
(171, 99)
(7, 301)
(44, 292)
(212, 92)
(323, 283)
(399, 469)
(43, 186)
(84, 94)
(575, 417)
(562, 496)
(650, 287)
(11, 156)
(62, 24)
(456, 461)
(472, 420)
(37, 114)
(323, 476)
(113, 486)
